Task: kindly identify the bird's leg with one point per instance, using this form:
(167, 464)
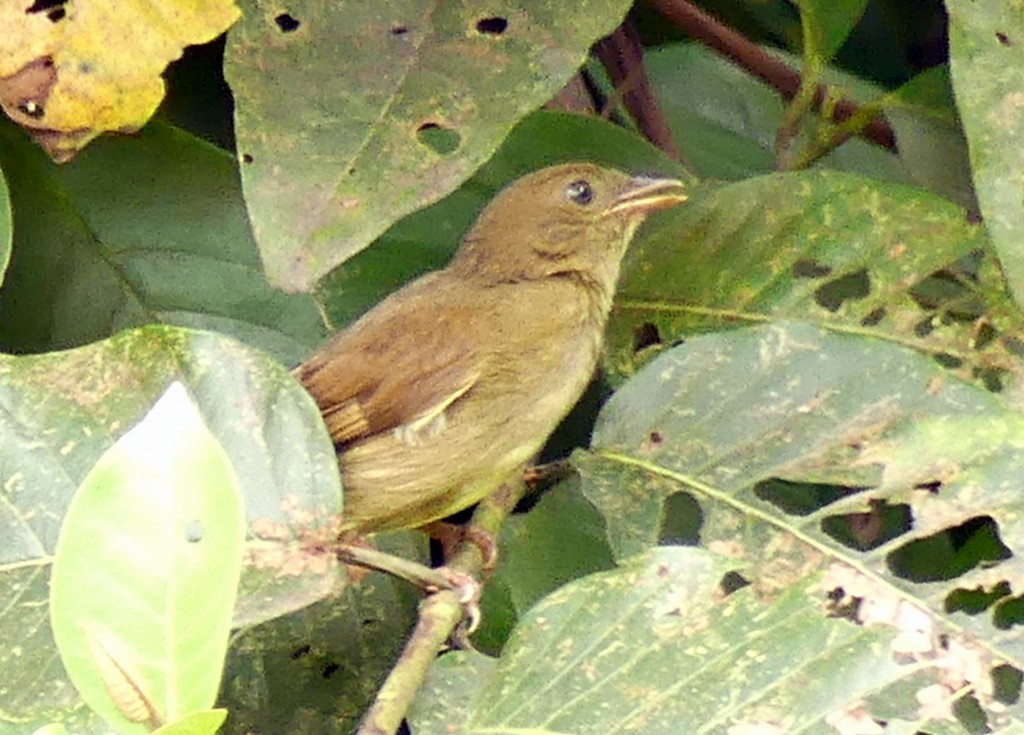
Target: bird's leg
(451, 535)
(357, 553)
(360, 555)
(541, 475)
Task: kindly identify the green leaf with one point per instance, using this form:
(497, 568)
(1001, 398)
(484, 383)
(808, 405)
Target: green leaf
(931, 142)
(204, 722)
(561, 539)
(740, 420)
(146, 570)
(826, 26)
(778, 401)
(326, 173)
(850, 254)
(658, 646)
(426, 240)
(138, 230)
(318, 669)
(62, 411)
(986, 48)
(725, 121)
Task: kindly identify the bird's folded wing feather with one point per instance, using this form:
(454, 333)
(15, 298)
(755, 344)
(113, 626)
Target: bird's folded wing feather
(399, 367)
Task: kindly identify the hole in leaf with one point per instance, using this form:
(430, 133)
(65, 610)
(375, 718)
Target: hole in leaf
(871, 529)
(399, 30)
(41, 6)
(874, 317)
(925, 327)
(950, 553)
(645, 335)
(971, 715)
(932, 486)
(32, 108)
(286, 23)
(301, 652)
(977, 600)
(246, 158)
(1009, 612)
(841, 605)
(681, 521)
(801, 498)
(330, 670)
(1003, 38)
(948, 361)
(1006, 683)
(984, 335)
(437, 138)
(732, 582)
(851, 287)
(805, 268)
(938, 289)
(991, 378)
(494, 26)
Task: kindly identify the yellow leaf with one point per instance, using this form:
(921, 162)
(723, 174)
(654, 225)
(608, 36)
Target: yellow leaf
(69, 73)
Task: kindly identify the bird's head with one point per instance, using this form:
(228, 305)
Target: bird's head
(574, 220)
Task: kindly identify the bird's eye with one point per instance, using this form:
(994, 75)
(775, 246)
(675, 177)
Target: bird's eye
(580, 192)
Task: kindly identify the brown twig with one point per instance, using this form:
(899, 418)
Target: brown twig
(784, 79)
(440, 615)
(622, 55)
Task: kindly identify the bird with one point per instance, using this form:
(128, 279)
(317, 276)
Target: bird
(450, 386)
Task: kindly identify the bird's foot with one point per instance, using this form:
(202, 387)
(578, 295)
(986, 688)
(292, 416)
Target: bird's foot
(469, 591)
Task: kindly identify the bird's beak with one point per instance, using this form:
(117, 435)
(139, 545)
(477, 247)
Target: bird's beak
(645, 194)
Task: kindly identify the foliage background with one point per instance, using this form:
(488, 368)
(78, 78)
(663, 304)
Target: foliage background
(799, 508)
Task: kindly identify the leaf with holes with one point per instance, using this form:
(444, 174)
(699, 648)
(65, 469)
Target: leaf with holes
(809, 451)
(69, 72)
(667, 644)
(852, 255)
(986, 50)
(427, 239)
(416, 96)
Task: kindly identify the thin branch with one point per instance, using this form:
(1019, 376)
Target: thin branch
(440, 615)
(784, 79)
(622, 55)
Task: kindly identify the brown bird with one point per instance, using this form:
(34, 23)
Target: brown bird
(451, 385)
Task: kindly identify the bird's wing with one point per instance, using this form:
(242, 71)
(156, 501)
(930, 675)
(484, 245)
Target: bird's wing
(397, 368)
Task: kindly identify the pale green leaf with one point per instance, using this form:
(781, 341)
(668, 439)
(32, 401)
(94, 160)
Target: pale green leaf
(146, 570)
(62, 411)
(204, 722)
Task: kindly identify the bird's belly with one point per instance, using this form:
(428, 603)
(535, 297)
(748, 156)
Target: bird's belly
(394, 480)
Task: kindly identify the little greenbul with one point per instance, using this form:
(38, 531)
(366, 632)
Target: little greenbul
(451, 385)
